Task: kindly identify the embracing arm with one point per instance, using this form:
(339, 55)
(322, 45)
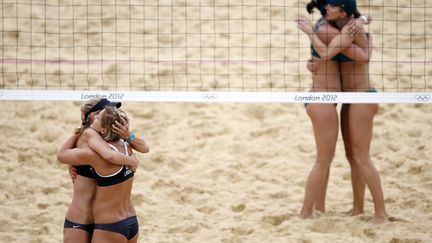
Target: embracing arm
(100, 146)
(361, 49)
(357, 53)
(138, 144)
(70, 155)
(336, 45)
(361, 52)
(357, 23)
(340, 42)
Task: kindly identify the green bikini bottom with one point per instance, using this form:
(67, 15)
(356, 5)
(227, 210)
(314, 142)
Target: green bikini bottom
(370, 90)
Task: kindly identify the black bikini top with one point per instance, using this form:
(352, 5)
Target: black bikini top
(118, 177)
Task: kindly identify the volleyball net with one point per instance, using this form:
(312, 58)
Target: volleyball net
(199, 51)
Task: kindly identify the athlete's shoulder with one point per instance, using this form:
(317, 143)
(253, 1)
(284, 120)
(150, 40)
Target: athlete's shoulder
(88, 133)
(321, 22)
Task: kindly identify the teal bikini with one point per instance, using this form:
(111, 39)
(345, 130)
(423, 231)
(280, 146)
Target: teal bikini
(338, 58)
(341, 58)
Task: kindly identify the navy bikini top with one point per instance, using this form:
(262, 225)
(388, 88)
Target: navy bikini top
(118, 177)
(85, 170)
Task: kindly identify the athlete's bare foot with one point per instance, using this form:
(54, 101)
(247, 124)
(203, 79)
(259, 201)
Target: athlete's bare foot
(379, 220)
(353, 212)
(306, 215)
(321, 210)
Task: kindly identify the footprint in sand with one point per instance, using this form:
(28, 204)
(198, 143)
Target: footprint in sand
(398, 240)
(238, 208)
(138, 199)
(276, 220)
(370, 233)
(395, 219)
(206, 209)
(42, 205)
(242, 231)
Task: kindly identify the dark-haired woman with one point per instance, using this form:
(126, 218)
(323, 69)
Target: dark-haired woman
(332, 48)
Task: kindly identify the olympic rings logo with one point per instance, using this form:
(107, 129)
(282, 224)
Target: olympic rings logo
(423, 98)
(209, 96)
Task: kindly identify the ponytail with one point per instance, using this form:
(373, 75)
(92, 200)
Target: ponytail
(311, 5)
(356, 14)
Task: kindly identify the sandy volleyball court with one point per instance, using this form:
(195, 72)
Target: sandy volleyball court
(227, 173)
(220, 173)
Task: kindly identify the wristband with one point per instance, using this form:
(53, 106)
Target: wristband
(364, 18)
(131, 137)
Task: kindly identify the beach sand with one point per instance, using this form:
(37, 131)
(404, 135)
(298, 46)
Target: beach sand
(222, 172)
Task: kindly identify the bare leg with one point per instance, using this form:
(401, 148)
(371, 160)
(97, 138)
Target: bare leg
(75, 235)
(327, 79)
(320, 202)
(134, 239)
(102, 236)
(361, 126)
(325, 125)
(357, 180)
